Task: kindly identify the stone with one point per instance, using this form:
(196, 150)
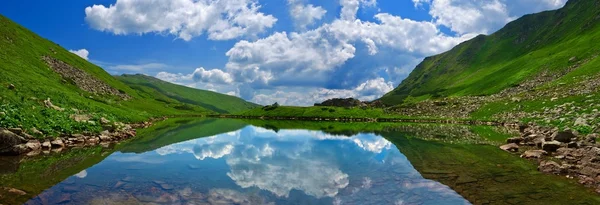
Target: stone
(573, 145)
(515, 140)
(104, 138)
(551, 146)
(564, 136)
(46, 144)
(16, 191)
(2, 114)
(57, 143)
(17, 131)
(8, 140)
(572, 59)
(35, 131)
(550, 167)
(591, 138)
(512, 147)
(11, 87)
(534, 154)
(81, 118)
(581, 122)
(49, 104)
(19, 149)
(104, 121)
(34, 145)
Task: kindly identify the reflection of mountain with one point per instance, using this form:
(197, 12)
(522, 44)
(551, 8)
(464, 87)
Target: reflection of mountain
(475, 170)
(172, 132)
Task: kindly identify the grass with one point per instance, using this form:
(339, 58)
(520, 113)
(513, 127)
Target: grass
(21, 65)
(521, 50)
(165, 91)
(325, 112)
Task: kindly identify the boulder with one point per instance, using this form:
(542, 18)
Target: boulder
(104, 121)
(33, 145)
(8, 140)
(11, 86)
(81, 118)
(17, 131)
(534, 154)
(104, 138)
(515, 140)
(35, 131)
(512, 147)
(46, 145)
(563, 136)
(57, 143)
(550, 167)
(573, 145)
(19, 149)
(551, 146)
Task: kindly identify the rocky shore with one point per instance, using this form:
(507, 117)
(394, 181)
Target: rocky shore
(17, 141)
(565, 153)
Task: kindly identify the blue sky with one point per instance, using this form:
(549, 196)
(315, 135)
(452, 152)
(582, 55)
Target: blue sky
(295, 52)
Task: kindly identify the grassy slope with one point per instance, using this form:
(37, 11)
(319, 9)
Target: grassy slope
(21, 65)
(522, 49)
(158, 89)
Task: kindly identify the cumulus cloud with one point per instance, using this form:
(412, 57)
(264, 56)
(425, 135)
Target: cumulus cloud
(83, 53)
(212, 76)
(186, 19)
(486, 16)
(305, 14)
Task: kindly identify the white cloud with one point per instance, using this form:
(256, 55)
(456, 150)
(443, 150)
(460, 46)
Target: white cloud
(186, 19)
(350, 8)
(305, 14)
(83, 53)
(483, 16)
(212, 76)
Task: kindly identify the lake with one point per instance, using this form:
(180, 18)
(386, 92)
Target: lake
(222, 161)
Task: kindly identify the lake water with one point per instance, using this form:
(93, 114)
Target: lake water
(231, 162)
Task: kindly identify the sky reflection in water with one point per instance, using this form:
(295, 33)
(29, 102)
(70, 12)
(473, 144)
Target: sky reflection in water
(257, 166)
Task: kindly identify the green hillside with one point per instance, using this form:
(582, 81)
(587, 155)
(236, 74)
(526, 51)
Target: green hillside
(33, 69)
(154, 88)
(551, 42)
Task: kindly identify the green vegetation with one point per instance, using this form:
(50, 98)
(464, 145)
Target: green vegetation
(151, 87)
(549, 42)
(325, 112)
(26, 80)
(173, 131)
(487, 175)
(38, 174)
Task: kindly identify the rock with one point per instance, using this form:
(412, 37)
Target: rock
(16, 191)
(34, 145)
(57, 143)
(8, 140)
(104, 138)
(46, 145)
(573, 145)
(581, 122)
(515, 140)
(11, 86)
(2, 114)
(564, 136)
(512, 147)
(81, 118)
(539, 142)
(49, 104)
(17, 131)
(550, 167)
(534, 154)
(551, 146)
(104, 121)
(35, 131)
(19, 149)
(591, 138)
(572, 59)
